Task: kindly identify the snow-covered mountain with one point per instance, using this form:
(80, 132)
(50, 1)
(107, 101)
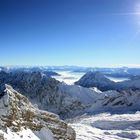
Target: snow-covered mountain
(95, 79)
(71, 100)
(50, 94)
(99, 80)
(68, 101)
(19, 119)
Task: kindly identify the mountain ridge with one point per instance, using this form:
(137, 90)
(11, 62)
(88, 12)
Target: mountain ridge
(18, 114)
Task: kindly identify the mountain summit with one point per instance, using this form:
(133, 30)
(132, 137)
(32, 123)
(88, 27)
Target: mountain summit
(95, 79)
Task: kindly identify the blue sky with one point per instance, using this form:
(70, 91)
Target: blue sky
(70, 32)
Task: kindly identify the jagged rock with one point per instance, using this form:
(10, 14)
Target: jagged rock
(17, 113)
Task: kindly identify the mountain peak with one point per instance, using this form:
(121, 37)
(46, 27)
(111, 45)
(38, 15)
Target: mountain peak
(95, 79)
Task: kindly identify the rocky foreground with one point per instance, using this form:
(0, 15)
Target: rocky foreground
(19, 119)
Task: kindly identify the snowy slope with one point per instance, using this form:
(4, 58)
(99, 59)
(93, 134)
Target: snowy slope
(27, 134)
(84, 95)
(107, 127)
(116, 102)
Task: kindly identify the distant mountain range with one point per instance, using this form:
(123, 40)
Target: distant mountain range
(118, 72)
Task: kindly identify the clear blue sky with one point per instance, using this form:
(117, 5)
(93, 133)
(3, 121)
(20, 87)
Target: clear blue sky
(69, 32)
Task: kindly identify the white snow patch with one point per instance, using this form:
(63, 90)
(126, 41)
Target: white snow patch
(84, 95)
(44, 134)
(27, 134)
(115, 79)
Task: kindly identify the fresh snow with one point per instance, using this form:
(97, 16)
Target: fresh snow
(107, 127)
(27, 134)
(44, 134)
(84, 95)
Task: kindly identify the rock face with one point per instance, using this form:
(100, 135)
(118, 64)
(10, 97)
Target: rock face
(18, 114)
(95, 79)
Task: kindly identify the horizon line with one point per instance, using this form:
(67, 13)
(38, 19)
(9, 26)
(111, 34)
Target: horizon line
(111, 66)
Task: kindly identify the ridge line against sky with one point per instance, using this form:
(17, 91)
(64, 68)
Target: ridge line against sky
(99, 33)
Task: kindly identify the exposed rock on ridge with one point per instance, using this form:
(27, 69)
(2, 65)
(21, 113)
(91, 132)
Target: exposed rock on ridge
(16, 113)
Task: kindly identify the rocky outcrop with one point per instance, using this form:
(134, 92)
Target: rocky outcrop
(17, 113)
